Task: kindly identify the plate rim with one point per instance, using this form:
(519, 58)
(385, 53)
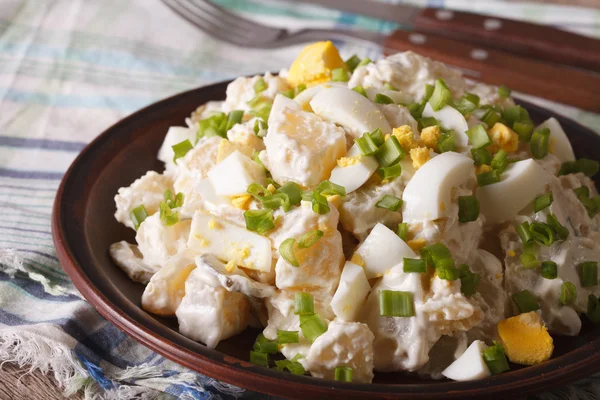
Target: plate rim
(244, 374)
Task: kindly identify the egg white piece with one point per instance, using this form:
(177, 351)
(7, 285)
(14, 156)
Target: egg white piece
(450, 118)
(175, 134)
(559, 144)
(351, 292)
(349, 109)
(305, 97)
(233, 175)
(519, 185)
(354, 176)
(470, 365)
(382, 250)
(229, 242)
(427, 195)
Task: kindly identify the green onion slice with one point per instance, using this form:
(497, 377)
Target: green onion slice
(468, 280)
(264, 345)
(488, 178)
(364, 61)
(286, 249)
(500, 161)
(468, 208)
(583, 194)
(441, 95)
(391, 172)
(312, 326)
(360, 90)
(293, 192)
(276, 200)
(588, 272)
(593, 309)
(339, 75)
(260, 128)
(366, 144)
(495, 359)
(542, 233)
(504, 91)
(233, 118)
(260, 85)
(138, 215)
(478, 136)
(539, 143)
(300, 88)
(529, 261)
(285, 337)
(525, 301)
(414, 265)
(352, 63)
(390, 152)
(389, 86)
(383, 99)
(561, 231)
(426, 122)
(389, 203)
(542, 202)
(481, 156)
(319, 203)
(328, 188)
(446, 142)
(259, 221)
(288, 93)
(449, 273)
(258, 358)
(214, 125)
(304, 303)
(293, 366)
(393, 303)
(181, 149)
(490, 118)
(584, 165)
(428, 92)
(524, 234)
(309, 238)
(568, 294)
(403, 230)
(524, 130)
(168, 216)
(377, 137)
(467, 104)
(343, 374)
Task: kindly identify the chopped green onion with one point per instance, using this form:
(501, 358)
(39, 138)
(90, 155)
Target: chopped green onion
(495, 359)
(561, 231)
(583, 194)
(568, 294)
(549, 270)
(285, 337)
(261, 107)
(366, 144)
(181, 149)
(524, 234)
(377, 137)
(293, 366)
(304, 303)
(286, 249)
(300, 88)
(478, 136)
(339, 75)
(468, 208)
(468, 280)
(309, 238)
(467, 104)
(588, 271)
(439, 255)
(414, 265)
(260, 85)
(288, 93)
(446, 142)
(529, 261)
(402, 230)
(390, 152)
(490, 118)
(234, 117)
(530, 248)
(448, 272)
(312, 326)
(276, 200)
(319, 203)
(524, 130)
(500, 161)
(264, 345)
(584, 165)
(328, 188)
(391, 172)
(441, 95)
(138, 215)
(343, 374)
(428, 92)
(488, 178)
(383, 99)
(513, 114)
(388, 202)
(259, 221)
(525, 301)
(416, 110)
(258, 191)
(481, 156)
(168, 216)
(393, 303)
(504, 91)
(539, 143)
(260, 128)
(364, 61)
(352, 63)
(426, 122)
(360, 90)
(542, 202)
(593, 309)
(542, 233)
(215, 125)
(389, 86)
(261, 359)
(293, 191)
(582, 191)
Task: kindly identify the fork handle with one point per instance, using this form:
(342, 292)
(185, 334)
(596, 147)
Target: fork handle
(564, 84)
(524, 38)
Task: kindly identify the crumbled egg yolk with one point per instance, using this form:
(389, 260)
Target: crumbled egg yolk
(511, 253)
(417, 244)
(230, 266)
(213, 224)
(335, 200)
(347, 161)
(430, 136)
(271, 188)
(203, 242)
(480, 169)
(242, 202)
(503, 137)
(225, 149)
(357, 259)
(314, 64)
(419, 156)
(526, 339)
(406, 137)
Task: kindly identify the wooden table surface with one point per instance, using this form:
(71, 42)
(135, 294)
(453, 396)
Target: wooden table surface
(17, 383)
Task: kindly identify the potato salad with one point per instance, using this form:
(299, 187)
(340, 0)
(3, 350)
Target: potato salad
(368, 216)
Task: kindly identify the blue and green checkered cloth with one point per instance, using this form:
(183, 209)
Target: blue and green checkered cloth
(71, 68)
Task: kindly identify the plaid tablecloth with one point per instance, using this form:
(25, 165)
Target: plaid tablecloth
(71, 68)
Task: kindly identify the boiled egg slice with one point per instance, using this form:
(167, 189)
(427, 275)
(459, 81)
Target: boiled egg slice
(559, 144)
(450, 118)
(233, 175)
(351, 292)
(354, 169)
(470, 365)
(175, 134)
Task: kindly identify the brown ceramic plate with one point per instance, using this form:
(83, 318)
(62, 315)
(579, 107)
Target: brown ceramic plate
(83, 227)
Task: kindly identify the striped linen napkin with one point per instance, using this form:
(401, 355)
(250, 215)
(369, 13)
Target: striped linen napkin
(71, 68)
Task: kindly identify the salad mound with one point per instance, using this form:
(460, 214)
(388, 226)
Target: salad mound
(368, 216)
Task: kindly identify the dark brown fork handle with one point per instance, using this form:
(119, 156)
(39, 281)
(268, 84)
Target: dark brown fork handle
(568, 85)
(524, 38)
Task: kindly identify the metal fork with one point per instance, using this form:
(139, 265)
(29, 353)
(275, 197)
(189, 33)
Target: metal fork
(226, 26)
